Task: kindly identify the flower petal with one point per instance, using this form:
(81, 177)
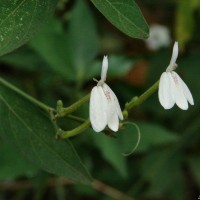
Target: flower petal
(98, 108)
(187, 92)
(104, 68)
(116, 102)
(165, 91)
(172, 64)
(113, 120)
(112, 115)
(179, 96)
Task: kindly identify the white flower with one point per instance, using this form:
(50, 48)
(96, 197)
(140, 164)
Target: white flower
(104, 106)
(172, 89)
(159, 37)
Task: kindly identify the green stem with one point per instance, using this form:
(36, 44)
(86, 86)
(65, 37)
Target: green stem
(66, 134)
(30, 98)
(139, 100)
(86, 124)
(75, 118)
(61, 112)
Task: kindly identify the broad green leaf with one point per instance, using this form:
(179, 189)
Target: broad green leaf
(20, 20)
(31, 131)
(125, 15)
(52, 44)
(112, 152)
(12, 164)
(83, 38)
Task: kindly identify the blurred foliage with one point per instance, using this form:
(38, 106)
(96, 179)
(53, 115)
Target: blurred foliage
(59, 63)
(185, 20)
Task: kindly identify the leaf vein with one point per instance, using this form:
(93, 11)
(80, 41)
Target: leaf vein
(47, 146)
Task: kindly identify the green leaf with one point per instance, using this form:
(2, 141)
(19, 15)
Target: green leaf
(125, 15)
(112, 152)
(83, 38)
(30, 130)
(12, 164)
(52, 44)
(20, 20)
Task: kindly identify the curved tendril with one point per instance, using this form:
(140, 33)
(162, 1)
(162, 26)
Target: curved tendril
(138, 141)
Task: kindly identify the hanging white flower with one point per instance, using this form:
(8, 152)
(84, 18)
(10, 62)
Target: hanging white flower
(159, 36)
(172, 89)
(104, 105)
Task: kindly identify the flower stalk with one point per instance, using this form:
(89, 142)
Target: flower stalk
(61, 112)
(136, 101)
(66, 134)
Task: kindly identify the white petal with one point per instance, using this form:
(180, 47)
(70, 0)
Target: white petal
(187, 92)
(172, 64)
(104, 68)
(112, 115)
(98, 107)
(113, 120)
(179, 96)
(174, 53)
(165, 91)
(116, 102)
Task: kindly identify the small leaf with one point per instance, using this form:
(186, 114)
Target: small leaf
(125, 15)
(30, 130)
(20, 20)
